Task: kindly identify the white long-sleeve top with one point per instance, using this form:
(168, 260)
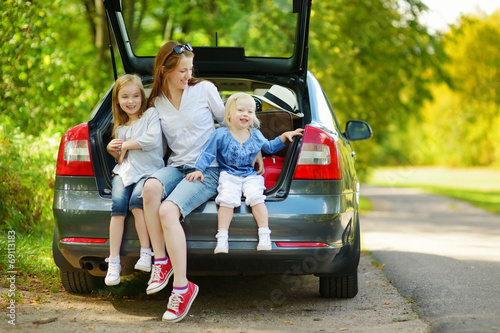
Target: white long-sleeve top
(141, 162)
(188, 128)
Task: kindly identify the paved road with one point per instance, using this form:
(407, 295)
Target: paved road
(441, 253)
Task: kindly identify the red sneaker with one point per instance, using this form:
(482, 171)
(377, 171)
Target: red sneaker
(160, 274)
(179, 304)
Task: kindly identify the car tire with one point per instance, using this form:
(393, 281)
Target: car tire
(80, 282)
(74, 280)
(339, 287)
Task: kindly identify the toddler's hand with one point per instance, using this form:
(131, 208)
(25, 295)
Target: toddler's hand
(258, 164)
(289, 135)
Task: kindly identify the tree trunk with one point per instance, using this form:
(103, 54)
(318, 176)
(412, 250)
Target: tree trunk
(101, 29)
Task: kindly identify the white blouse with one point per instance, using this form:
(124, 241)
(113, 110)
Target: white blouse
(188, 128)
(141, 162)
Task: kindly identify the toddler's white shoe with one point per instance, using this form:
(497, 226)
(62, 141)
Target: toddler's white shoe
(222, 242)
(264, 240)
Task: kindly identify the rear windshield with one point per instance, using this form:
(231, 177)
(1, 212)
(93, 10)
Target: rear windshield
(264, 28)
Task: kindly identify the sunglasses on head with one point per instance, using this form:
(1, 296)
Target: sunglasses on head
(181, 48)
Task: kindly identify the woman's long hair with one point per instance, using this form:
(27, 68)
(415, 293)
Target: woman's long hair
(168, 59)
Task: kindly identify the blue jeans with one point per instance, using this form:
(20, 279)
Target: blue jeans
(187, 195)
(125, 198)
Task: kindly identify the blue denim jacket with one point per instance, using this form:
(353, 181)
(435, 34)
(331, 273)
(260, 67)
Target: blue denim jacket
(233, 157)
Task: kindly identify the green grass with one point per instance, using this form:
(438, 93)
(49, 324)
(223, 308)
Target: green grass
(34, 266)
(478, 186)
(365, 205)
(488, 200)
(36, 271)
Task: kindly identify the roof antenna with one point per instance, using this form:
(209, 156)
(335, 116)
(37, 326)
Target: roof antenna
(216, 40)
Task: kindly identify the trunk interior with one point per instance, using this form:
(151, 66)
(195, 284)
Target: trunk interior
(273, 123)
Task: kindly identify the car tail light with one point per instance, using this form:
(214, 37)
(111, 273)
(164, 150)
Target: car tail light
(73, 158)
(301, 244)
(318, 158)
(80, 240)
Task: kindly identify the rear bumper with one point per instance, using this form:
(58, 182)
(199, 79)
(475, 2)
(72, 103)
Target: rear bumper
(245, 260)
(242, 259)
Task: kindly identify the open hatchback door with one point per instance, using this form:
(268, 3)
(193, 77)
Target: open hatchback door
(229, 37)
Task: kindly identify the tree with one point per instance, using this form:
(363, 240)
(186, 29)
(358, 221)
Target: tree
(50, 75)
(95, 15)
(461, 124)
(235, 23)
(50, 81)
(375, 62)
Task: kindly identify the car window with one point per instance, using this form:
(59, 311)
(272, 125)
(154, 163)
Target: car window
(265, 28)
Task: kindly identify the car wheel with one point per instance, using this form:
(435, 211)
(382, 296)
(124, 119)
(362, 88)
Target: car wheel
(339, 287)
(73, 280)
(80, 282)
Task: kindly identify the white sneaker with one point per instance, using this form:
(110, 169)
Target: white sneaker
(264, 240)
(113, 275)
(222, 243)
(144, 262)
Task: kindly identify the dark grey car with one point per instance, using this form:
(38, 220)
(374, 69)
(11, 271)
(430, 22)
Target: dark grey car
(312, 202)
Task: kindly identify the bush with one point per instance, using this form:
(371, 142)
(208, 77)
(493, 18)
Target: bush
(27, 169)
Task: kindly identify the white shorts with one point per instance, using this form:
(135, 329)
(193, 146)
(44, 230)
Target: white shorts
(232, 187)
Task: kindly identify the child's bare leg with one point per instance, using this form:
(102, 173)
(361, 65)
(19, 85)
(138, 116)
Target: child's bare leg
(145, 259)
(141, 228)
(116, 227)
(261, 215)
(224, 217)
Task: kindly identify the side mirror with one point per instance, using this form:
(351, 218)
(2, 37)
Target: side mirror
(357, 130)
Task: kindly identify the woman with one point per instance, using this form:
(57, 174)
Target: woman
(186, 107)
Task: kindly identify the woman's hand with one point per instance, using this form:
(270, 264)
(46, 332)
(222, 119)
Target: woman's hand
(191, 177)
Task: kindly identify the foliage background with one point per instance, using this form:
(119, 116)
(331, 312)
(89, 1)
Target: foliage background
(431, 99)
(51, 77)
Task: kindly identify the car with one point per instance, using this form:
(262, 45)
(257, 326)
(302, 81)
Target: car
(312, 194)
